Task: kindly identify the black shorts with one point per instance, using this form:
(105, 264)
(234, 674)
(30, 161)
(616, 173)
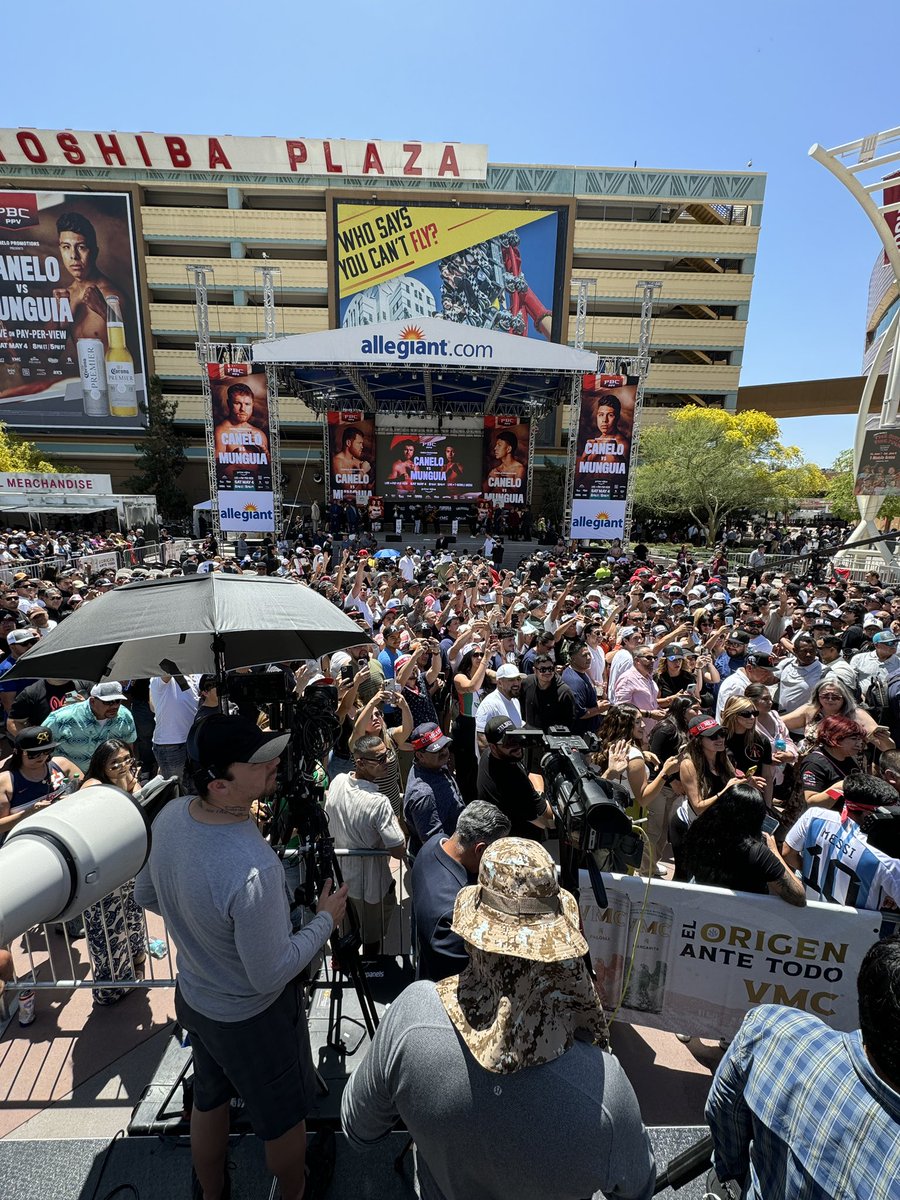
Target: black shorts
(266, 1060)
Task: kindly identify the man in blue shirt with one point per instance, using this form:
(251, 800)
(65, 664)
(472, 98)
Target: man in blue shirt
(734, 656)
(432, 801)
(442, 867)
(576, 677)
(797, 1109)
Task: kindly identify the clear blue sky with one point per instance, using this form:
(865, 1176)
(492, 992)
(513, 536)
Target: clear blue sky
(705, 86)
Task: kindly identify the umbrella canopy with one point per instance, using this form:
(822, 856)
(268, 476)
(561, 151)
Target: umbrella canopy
(199, 623)
(389, 553)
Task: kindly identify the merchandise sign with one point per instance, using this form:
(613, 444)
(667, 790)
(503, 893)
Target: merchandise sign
(605, 427)
(336, 157)
(240, 406)
(49, 484)
(495, 268)
(505, 467)
(878, 473)
(71, 345)
(351, 456)
(429, 466)
(703, 957)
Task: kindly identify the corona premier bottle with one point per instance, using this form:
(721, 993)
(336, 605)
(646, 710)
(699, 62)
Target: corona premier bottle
(119, 364)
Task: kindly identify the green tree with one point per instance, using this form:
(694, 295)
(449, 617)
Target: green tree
(18, 455)
(707, 463)
(161, 457)
(840, 495)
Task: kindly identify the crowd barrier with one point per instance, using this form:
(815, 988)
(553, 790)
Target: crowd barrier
(55, 957)
(90, 564)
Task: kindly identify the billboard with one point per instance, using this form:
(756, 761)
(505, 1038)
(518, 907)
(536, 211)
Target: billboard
(430, 467)
(494, 268)
(505, 467)
(605, 428)
(878, 473)
(240, 412)
(71, 343)
(351, 456)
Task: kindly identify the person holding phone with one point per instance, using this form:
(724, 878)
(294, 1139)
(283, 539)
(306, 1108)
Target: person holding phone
(728, 847)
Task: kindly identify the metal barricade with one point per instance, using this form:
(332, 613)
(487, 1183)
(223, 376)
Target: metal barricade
(115, 945)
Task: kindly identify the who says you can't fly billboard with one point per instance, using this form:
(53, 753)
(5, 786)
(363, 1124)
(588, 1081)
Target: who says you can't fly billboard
(244, 470)
(71, 345)
(605, 430)
(493, 268)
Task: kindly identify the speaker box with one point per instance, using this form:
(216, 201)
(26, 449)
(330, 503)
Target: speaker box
(393, 537)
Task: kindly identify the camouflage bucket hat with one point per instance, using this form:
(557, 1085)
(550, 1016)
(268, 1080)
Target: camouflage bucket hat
(517, 907)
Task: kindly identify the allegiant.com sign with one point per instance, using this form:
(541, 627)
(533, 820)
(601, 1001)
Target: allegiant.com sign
(412, 343)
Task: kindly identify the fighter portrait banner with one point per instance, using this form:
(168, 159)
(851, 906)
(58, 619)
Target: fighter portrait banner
(351, 456)
(494, 268)
(71, 342)
(878, 473)
(505, 468)
(244, 472)
(605, 428)
(430, 467)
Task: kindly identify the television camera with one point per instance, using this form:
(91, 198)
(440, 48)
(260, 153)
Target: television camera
(594, 829)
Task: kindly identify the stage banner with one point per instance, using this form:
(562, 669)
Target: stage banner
(429, 467)
(505, 468)
(495, 268)
(351, 456)
(240, 412)
(605, 427)
(703, 957)
(71, 343)
(878, 473)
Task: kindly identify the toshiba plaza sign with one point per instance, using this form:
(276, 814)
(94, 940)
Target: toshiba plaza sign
(244, 155)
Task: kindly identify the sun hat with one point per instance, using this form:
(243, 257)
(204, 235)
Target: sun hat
(517, 907)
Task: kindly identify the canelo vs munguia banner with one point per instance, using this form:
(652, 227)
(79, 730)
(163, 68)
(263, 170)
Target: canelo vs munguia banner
(605, 429)
(244, 472)
(505, 469)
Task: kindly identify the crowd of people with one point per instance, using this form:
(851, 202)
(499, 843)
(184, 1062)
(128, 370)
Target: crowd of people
(750, 716)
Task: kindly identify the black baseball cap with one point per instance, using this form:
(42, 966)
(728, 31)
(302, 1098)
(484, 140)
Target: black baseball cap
(758, 659)
(497, 728)
(35, 737)
(220, 740)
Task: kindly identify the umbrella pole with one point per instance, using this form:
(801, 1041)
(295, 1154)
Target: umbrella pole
(218, 649)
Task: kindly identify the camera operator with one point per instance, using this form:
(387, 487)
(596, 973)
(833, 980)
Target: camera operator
(220, 889)
(504, 782)
(797, 1109)
(502, 1073)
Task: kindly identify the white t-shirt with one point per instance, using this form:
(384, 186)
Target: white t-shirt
(175, 710)
(361, 818)
(407, 567)
(622, 661)
(597, 669)
(497, 705)
(838, 865)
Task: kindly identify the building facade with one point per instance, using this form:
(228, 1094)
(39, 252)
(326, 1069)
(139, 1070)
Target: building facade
(695, 231)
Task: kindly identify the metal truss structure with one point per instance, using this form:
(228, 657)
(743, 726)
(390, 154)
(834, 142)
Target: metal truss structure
(649, 287)
(865, 167)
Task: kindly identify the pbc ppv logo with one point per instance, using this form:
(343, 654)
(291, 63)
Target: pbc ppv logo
(18, 210)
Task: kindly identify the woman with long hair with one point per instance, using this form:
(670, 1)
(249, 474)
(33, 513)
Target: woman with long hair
(114, 925)
(832, 698)
(746, 746)
(838, 750)
(624, 725)
(726, 847)
(370, 721)
(469, 687)
(34, 776)
(670, 736)
(705, 772)
(774, 730)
